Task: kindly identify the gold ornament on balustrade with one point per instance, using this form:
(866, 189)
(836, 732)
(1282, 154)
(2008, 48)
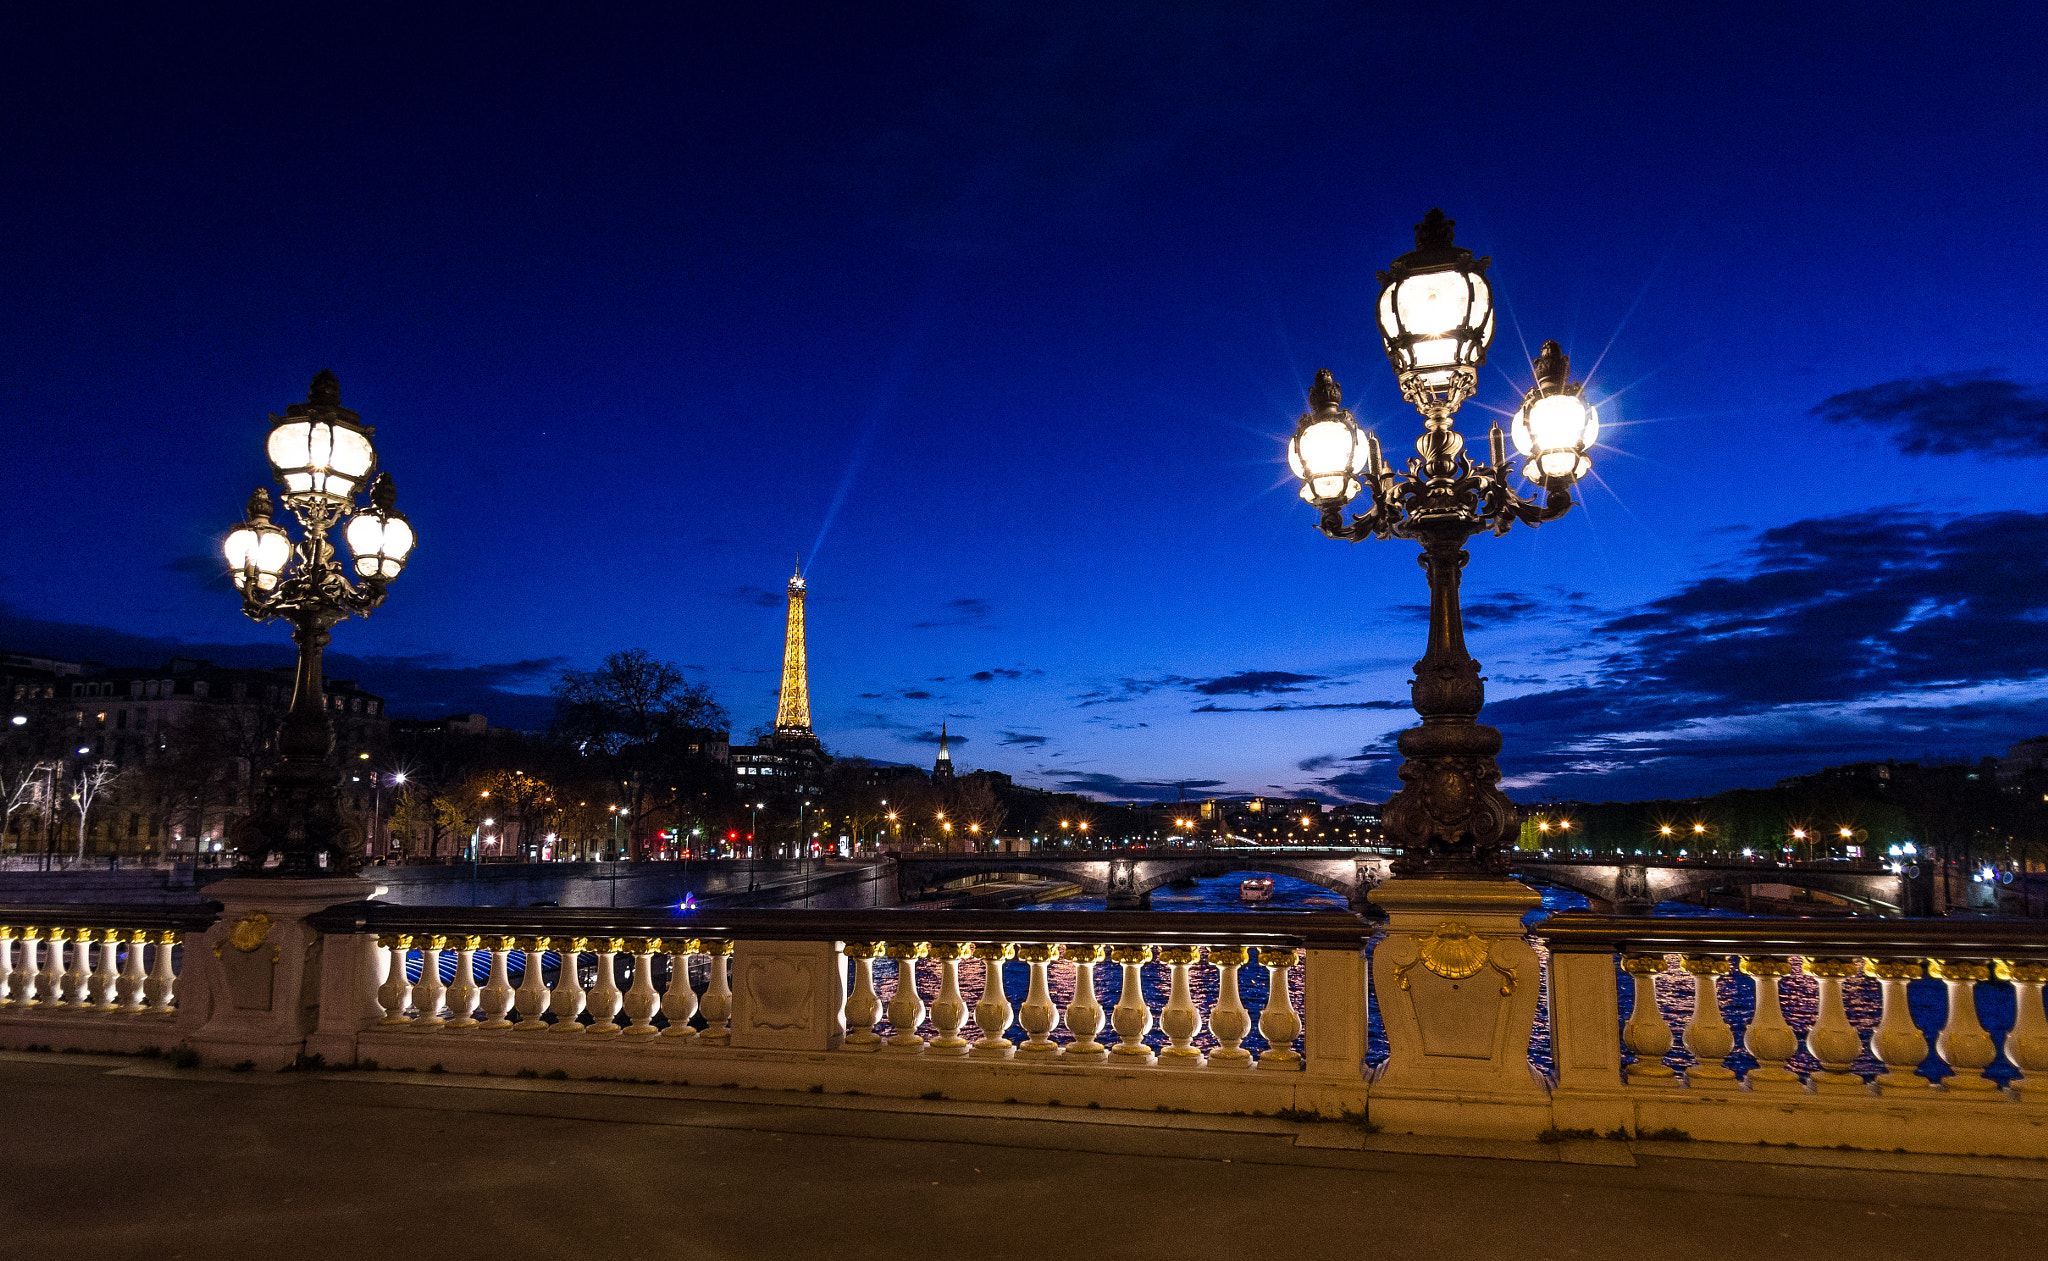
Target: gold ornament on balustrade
(718, 947)
(904, 950)
(467, 941)
(1893, 969)
(1761, 966)
(1644, 965)
(1706, 965)
(1229, 956)
(606, 945)
(643, 945)
(947, 951)
(1082, 955)
(1453, 951)
(171, 937)
(433, 941)
(1278, 956)
(527, 945)
(1179, 956)
(395, 941)
(1958, 970)
(680, 946)
(498, 943)
(861, 949)
(2024, 973)
(992, 951)
(1037, 951)
(1833, 969)
(1130, 954)
(250, 931)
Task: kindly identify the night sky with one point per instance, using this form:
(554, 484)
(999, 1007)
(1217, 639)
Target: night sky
(999, 315)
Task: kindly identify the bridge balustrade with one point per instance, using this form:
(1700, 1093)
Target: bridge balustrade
(1647, 1069)
(63, 965)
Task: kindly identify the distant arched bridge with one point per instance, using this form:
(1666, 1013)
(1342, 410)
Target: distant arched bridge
(1125, 879)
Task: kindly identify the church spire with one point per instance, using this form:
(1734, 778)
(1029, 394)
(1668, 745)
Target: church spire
(793, 710)
(943, 767)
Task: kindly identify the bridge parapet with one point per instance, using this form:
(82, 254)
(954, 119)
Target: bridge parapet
(1220, 1012)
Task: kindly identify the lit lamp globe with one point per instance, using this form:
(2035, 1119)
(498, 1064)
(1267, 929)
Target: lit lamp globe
(1554, 425)
(380, 537)
(320, 450)
(1436, 318)
(1328, 450)
(257, 551)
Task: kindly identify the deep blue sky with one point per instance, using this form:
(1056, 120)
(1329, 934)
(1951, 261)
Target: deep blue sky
(999, 315)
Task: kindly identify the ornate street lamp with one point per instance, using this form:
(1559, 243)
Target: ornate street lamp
(321, 454)
(1436, 319)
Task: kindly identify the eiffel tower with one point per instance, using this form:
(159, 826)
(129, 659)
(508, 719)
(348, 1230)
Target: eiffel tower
(793, 710)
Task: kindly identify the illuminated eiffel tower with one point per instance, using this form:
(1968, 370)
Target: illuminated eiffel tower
(793, 710)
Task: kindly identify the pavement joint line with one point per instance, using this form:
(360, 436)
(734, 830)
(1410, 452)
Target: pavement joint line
(1341, 1137)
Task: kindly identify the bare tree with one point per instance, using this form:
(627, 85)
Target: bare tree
(92, 779)
(31, 789)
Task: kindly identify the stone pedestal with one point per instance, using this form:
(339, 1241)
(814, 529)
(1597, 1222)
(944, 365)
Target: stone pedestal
(1457, 984)
(261, 967)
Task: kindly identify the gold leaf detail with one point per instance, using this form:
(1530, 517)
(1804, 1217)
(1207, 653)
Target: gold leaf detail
(1453, 951)
(249, 932)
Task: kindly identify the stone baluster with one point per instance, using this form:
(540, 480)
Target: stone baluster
(1229, 1020)
(949, 1009)
(1278, 1022)
(1646, 1034)
(1962, 1041)
(863, 1005)
(496, 995)
(906, 1006)
(1084, 1014)
(50, 985)
(1833, 1040)
(7, 939)
(161, 989)
(1132, 1017)
(1897, 1040)
(993, 1012)
(1707, 1034)
(101, 985)
(428, 993)
(642, 1004)
(567, 1000)
(463, 991)
(717, 1005)
(128, 988)
(27, 976)
(532, 995)
(395, 995)
(1039, 1015)
(78, 970)
(2027, 1045)
(1768, 1037)
(1180, 1020)
(679, 1000)
(605, 998)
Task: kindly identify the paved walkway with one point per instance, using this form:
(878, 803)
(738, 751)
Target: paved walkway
(110, 1158)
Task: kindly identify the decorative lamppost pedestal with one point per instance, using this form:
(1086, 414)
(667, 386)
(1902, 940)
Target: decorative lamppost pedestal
(1456, 978)
(255, 979)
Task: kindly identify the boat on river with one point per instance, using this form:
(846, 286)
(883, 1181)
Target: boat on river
(1256, 889)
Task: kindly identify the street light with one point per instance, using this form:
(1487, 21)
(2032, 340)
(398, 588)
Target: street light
(1436, 319)
(321, 454)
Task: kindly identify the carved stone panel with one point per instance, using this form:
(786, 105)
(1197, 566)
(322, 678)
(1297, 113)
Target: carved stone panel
(787, 995)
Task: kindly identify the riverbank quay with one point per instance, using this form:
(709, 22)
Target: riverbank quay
(347, 1165)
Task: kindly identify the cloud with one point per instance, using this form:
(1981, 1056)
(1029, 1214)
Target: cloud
(917, 696)
(1117, 788)
(932, 737)
(1019, 737)
(1252, 682)
(1973, 413)
(1279, 707)
(1881, 633)
(760, 597)
(990, 676)
(962, 612)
